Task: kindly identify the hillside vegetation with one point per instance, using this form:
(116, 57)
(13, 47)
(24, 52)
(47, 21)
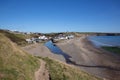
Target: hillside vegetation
(14, 63)
(61, 71)
(19, 39)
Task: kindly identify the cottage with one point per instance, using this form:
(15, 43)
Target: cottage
(70, 36)
(29, 40)
(43, 38)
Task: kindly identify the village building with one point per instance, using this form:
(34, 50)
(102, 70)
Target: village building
(43, 37)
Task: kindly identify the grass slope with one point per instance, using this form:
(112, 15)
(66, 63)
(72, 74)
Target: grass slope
(14, 63)
(60, 71)
(19, 39)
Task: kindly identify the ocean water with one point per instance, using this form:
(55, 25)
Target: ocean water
(105, 40)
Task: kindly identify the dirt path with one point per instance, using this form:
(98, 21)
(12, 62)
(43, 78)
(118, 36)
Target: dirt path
(42, 72)
(91, 59)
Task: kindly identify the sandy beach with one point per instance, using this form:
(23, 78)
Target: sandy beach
(42, 51)
(92, 59)
(85, 55)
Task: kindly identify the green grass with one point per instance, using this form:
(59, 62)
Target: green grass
(15, 64)
(112, 49)
(60, 71)
(19, 39)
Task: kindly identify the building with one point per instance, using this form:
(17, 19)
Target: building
(43, 37)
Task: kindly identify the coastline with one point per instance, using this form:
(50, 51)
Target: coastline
(92, 59)
(87, 57)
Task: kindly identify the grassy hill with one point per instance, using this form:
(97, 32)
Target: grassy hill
(14, 63)
(19, 39)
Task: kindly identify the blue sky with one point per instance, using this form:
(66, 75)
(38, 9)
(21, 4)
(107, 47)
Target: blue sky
(60, 15)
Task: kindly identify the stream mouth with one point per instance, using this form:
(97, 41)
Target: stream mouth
(56, 50)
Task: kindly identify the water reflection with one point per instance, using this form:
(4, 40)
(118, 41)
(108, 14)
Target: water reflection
(56, 50)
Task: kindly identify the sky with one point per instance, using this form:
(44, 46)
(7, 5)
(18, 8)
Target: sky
(60, 15)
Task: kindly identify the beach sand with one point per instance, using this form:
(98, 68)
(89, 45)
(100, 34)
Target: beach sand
(42, 51)
(92, 59)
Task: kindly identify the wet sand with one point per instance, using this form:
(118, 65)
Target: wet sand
(91, 59)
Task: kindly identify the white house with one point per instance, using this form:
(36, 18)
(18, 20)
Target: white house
(70, 36)
(29, 40)
(43, 37)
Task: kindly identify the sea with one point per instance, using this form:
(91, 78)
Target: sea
(105, 40)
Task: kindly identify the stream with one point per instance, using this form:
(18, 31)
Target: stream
(56, 50)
